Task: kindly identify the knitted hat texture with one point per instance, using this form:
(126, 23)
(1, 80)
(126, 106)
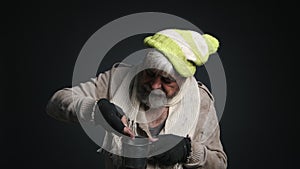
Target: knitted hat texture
(185, 49)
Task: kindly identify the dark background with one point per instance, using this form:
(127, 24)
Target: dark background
(258, 126)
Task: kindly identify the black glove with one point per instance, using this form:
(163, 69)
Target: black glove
(111, 115)
(178, 149)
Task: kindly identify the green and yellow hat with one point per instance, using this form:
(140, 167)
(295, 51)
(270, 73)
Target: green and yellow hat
(185, 49)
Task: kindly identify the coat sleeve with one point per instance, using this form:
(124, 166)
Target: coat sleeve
(69, 104)
(207, 150)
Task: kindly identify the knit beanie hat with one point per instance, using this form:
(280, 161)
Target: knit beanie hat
(185, 49)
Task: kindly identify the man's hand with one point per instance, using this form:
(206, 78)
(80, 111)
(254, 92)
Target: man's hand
(170, 149)
(127, 131)
(114, 118)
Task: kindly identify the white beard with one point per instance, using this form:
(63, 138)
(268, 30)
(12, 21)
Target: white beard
(157, 98)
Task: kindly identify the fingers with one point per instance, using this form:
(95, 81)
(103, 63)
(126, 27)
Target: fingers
(152, 139)
(126, 129)
(128, 132)
(124, 120)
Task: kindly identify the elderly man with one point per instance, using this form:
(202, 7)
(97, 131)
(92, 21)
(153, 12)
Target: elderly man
(157, 103)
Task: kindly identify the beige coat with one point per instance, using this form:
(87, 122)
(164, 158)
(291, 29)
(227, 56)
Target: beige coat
(71, 104)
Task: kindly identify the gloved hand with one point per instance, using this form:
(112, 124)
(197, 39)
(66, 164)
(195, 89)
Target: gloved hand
(114, 117)
(170, 149)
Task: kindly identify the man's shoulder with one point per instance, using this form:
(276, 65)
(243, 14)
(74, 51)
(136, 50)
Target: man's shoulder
(204, 90)
(120, 68)
(121, 65)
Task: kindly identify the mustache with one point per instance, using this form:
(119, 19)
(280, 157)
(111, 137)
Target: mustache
(157, 93)
(151, 97)
(146, 89)
(157, 98)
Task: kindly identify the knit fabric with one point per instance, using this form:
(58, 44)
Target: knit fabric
(185, 49)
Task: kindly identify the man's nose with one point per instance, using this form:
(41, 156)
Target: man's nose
(156, 83)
